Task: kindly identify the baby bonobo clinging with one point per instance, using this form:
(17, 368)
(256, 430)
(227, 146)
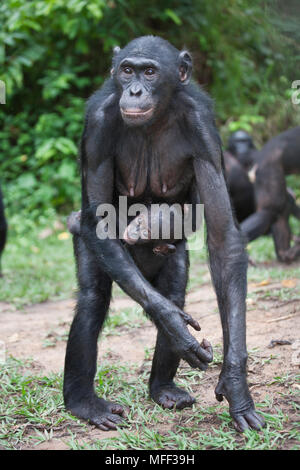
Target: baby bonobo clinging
(139, 232)
(150, 136)
(151, 226)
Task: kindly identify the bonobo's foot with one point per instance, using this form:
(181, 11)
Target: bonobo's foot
(241, 406)
(103, 414)
(290, 255)
(170, 396)
(164, 249)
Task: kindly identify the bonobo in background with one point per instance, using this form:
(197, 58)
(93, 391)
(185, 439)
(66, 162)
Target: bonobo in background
(240, 187)
(280, 156)
(241, 146)
(3, 229)
(150, 135)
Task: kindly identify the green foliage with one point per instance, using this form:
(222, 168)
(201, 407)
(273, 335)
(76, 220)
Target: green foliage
(38, 261)
(54, 54)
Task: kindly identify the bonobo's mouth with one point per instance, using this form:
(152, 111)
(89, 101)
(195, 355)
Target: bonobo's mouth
(136, 113)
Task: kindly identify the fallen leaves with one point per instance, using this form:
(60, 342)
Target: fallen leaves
(289, 283)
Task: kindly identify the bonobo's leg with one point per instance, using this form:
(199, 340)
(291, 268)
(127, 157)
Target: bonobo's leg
(290, 255)
(257, 224)
(271, 198)
(282, 238)
(228, 262)
(281, 234)
(81, 356)
(165, 362)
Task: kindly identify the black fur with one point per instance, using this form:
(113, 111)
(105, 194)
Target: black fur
(150, 135)
(280, 156)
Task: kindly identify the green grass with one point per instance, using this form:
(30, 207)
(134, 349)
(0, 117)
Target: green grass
(32, 411)
(36, 269)
(31, 406)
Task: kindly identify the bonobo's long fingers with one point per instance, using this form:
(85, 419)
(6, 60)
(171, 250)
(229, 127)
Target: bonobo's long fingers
(201, 355)
(195, 363)
(205, 351)
(190, 321)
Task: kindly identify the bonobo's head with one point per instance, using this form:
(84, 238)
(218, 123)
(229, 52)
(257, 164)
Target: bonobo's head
(147, 72)
(241, 145)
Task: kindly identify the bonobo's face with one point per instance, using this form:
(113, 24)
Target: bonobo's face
(147, 72)
(240, 145)
(141, 83)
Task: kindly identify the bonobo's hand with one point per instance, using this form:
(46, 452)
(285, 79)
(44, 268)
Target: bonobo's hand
(190, 321)
(173, 324)
(195, 354)
(241, 407)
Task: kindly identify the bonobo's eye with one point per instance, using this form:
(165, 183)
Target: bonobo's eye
(149, 71)
(127, 70)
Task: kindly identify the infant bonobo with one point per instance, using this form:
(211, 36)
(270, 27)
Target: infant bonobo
(149, 225)
(139, 231)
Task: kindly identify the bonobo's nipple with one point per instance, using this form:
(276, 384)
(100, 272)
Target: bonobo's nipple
(164, 188)
(131, 191)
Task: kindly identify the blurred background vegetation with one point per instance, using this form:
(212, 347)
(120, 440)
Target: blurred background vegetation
(55, 53)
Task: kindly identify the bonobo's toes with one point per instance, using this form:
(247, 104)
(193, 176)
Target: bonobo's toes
(107, 421)
(170, 396)
(241, 405)
(103, 414)
(249, 420)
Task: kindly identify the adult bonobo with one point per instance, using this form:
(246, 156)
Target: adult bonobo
(238, 160)
(280, 156)
(150, 135)
(3, 229)
(240, 187)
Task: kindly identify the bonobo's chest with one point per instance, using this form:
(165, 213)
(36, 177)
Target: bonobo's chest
(158, 164)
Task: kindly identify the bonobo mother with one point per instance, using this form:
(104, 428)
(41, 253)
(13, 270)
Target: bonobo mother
(150, 135)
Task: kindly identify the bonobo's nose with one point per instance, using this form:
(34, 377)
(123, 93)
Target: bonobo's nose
(135, 90)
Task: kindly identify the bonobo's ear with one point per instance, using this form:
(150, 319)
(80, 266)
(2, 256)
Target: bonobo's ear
(116, 51)
(185, 67)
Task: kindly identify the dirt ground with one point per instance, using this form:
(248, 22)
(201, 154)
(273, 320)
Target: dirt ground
(26, 333)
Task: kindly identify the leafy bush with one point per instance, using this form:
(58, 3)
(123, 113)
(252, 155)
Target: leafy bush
(55, 53)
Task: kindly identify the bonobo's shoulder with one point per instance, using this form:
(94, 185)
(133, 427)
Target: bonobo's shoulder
(103, 99)
(199, 113)
(198, 100)
(198, 108)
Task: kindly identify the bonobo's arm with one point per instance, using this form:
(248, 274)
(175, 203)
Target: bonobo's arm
(228, 263)
(98, 186)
